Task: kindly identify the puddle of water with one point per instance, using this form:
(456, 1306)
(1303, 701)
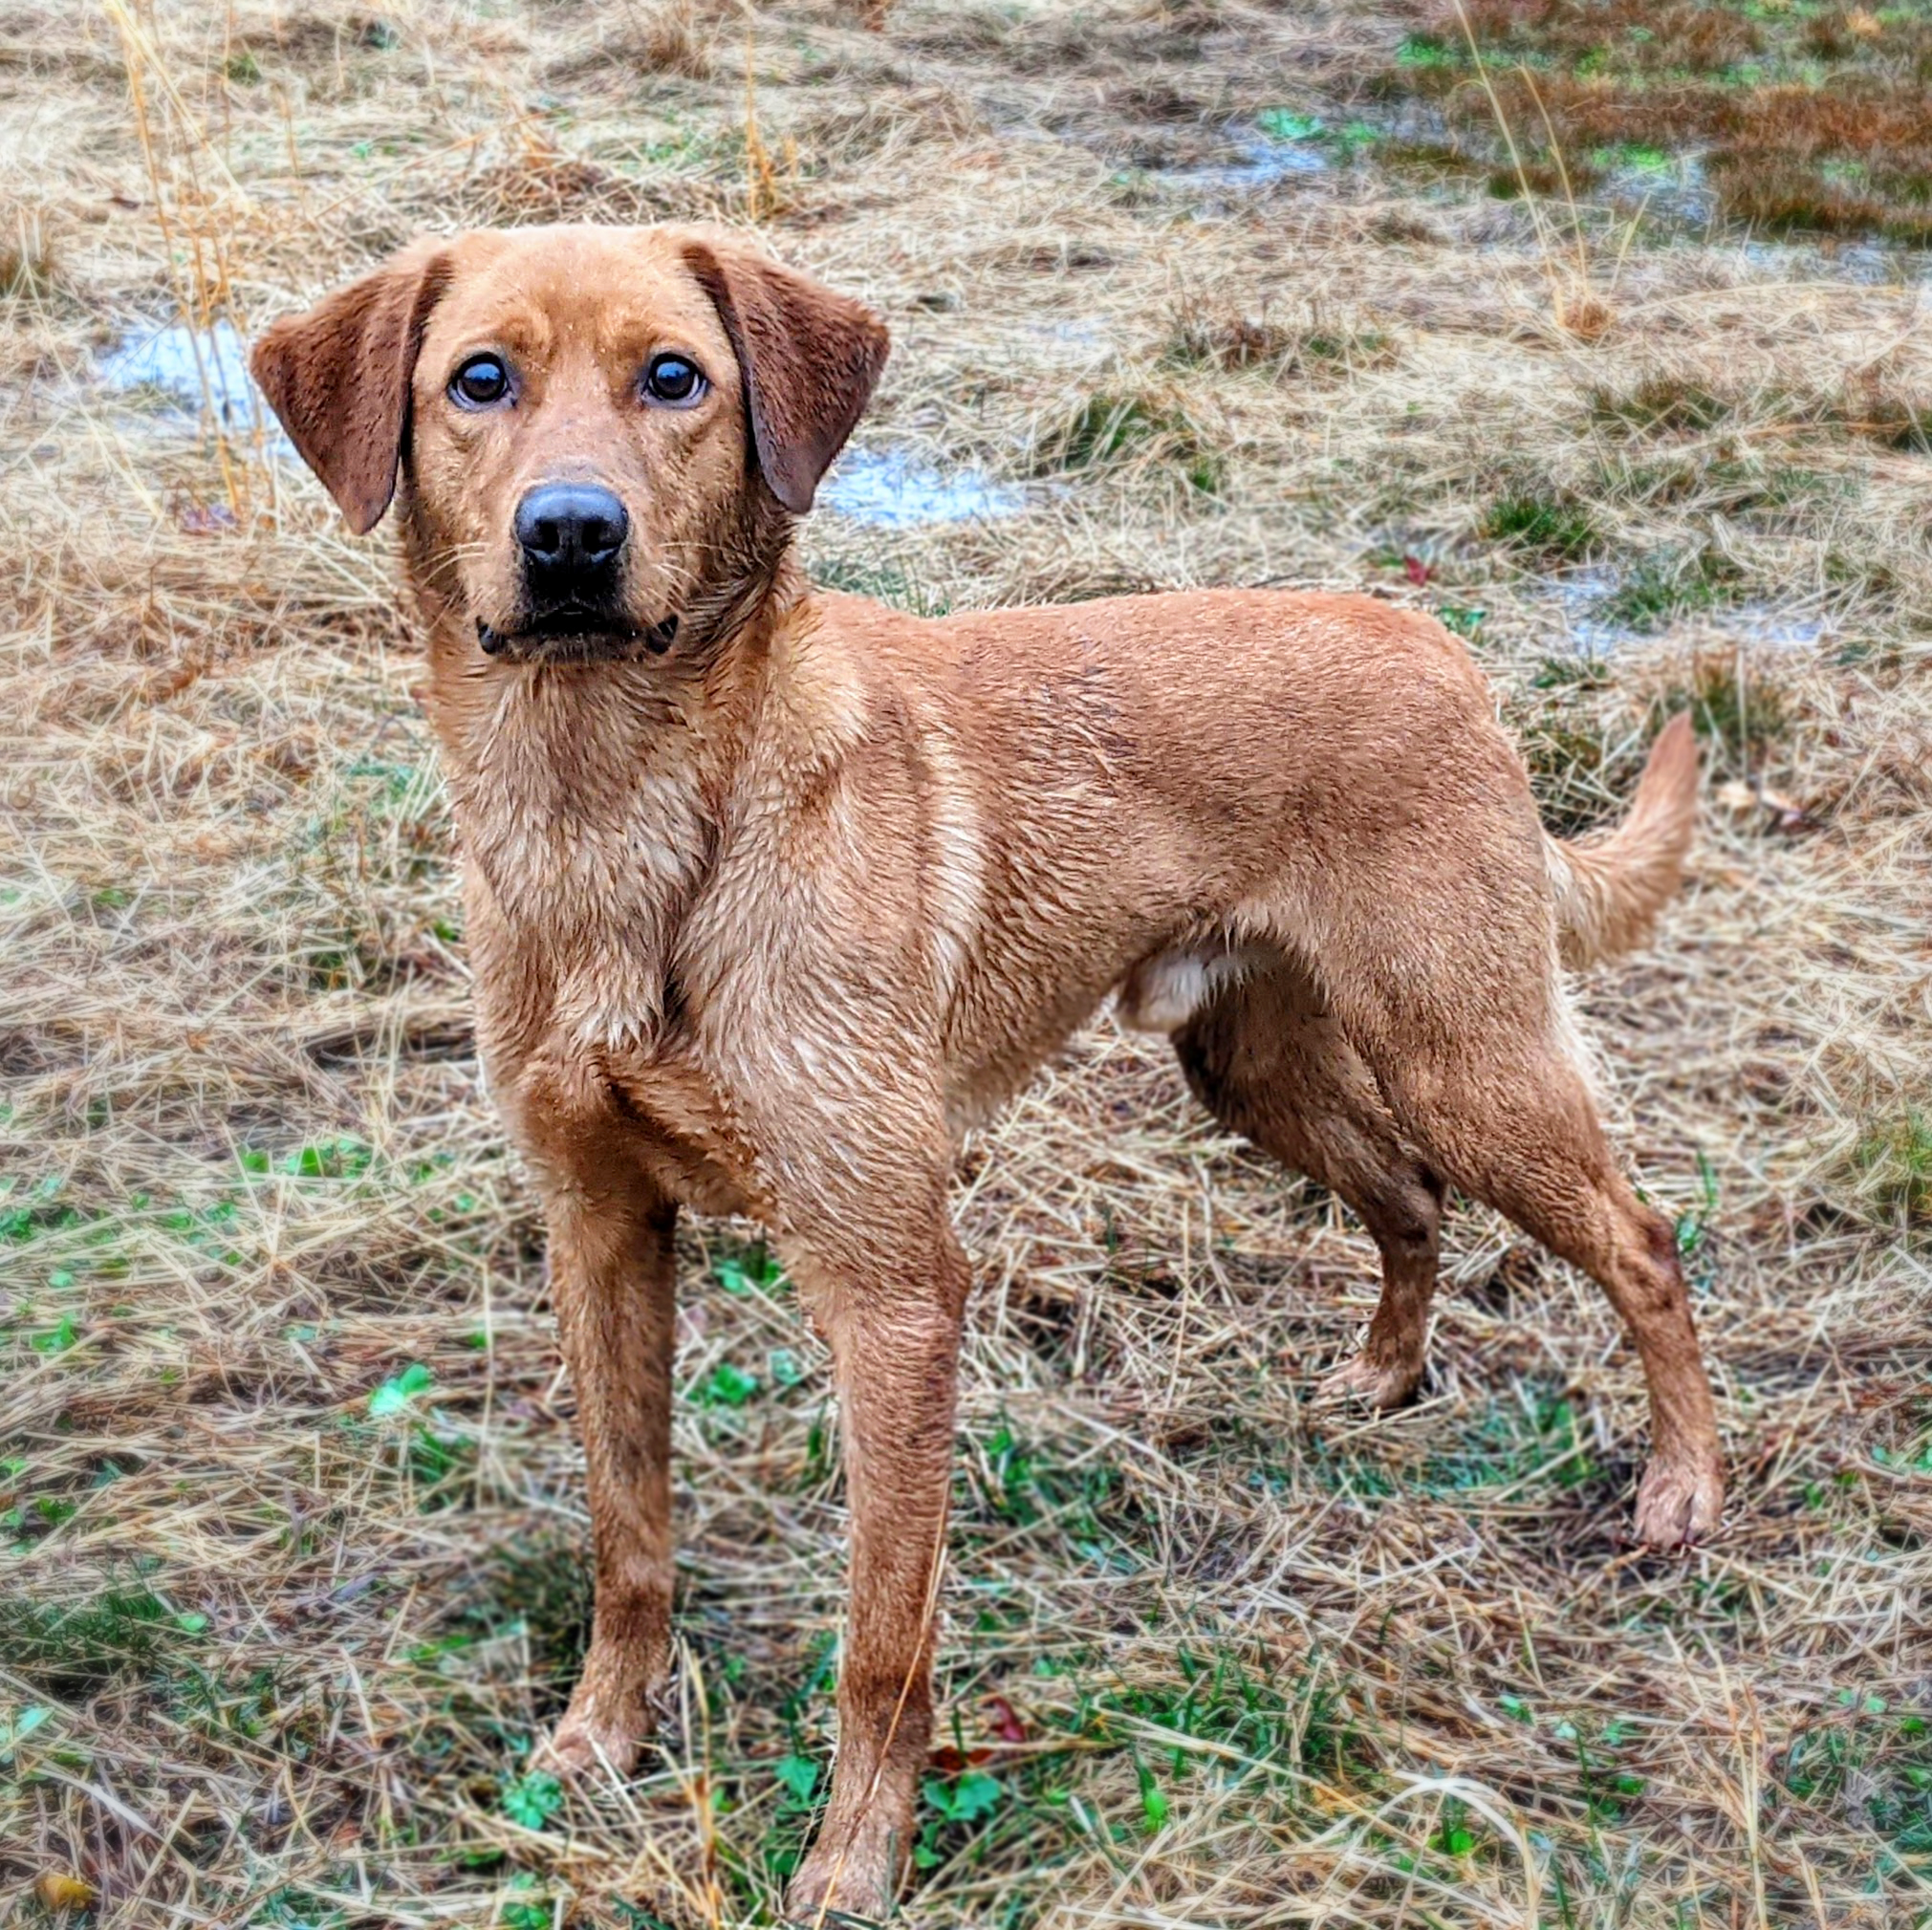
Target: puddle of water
(1753, 623)
(1264, 160)
(1079, 334)
(1277, 146)
(193, 370)
(1867, 264)
(1677, 188)
(1668, 187)
(1578, 599)
(1261, 161)
(888, 489)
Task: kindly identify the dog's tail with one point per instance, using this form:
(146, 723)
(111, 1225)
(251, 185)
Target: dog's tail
(1612, 885)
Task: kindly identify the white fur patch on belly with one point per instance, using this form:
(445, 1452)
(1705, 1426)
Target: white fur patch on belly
(1164, 991)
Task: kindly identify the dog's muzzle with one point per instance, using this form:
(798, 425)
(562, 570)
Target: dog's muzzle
(571, 538)
(577, 635)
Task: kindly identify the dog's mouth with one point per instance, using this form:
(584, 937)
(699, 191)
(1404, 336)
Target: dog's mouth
(575, 634)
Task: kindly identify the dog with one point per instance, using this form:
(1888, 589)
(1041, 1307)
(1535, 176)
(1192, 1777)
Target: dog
(771, 894)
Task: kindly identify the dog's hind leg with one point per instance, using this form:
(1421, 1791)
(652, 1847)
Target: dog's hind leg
(1521, 1132)
(1468, 1039)
(1266, 1057)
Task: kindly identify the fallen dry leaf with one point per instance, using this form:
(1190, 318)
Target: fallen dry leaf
(59, 1891)
(1005, 1721)
(1746, 800)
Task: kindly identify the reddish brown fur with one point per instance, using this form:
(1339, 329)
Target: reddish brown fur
(760, 925)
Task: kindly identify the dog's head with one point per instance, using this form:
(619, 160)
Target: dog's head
(599, 435)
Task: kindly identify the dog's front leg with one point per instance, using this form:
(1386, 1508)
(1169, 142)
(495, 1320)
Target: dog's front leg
(892, 1310)
(614, 1284)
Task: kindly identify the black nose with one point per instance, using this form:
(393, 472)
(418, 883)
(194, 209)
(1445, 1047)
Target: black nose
(567, 529)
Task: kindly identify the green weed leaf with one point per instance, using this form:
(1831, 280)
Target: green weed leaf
(724, 1386)
(15, 1732)
(1279, 124)
(59, 1340)
(396, 1393)
(1152, 1803)
(532, 1800)
(975, 1795)
(800, 1776)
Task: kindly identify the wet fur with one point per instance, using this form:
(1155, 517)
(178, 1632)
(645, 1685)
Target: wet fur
(763, 920)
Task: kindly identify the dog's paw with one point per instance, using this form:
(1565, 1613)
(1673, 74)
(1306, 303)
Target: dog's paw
(1378, 1384)
(585, 1741)
(847, 1886)
(1680, 1500)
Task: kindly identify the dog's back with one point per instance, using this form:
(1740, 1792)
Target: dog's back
(1148, 785)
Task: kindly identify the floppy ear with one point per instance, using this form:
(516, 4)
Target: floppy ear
(338, 378)
(808, 359)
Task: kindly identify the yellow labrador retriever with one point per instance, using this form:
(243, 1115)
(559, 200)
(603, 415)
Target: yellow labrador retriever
(770, 894)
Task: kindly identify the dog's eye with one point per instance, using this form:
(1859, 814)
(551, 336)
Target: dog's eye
(675, 380)
(481, 380)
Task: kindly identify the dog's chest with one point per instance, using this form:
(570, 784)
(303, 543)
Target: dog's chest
(594, 934)
(589, 872)
(583, 1018)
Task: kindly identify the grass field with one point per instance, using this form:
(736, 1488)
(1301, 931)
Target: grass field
(291, 1523)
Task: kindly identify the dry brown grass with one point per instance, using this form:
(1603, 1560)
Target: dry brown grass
(273, 1643)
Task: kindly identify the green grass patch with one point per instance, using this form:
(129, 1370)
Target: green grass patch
(1202, 339)
(1661, 403)
(1634, 157)
(1579, 773)
(1862, 1749)
(30, 271)
(1428, 53)
(1535, 1438)
(1232, 340)
(1335, 349)
(1671, 584)
(1552, 525)
(1538, 1435)
(539, 1588)
(1206, 1725)
(1740, 715)
(1882, 413)
(1809, 119)
(1438, 161)
(1111, 428)
(883, 582)
(1219, 1712)
(1008, 1482)
(124, 1635)
(1543, 173)
(1889, 1170)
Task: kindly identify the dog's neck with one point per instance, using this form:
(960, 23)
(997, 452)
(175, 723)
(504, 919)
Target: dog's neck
(596, 799)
